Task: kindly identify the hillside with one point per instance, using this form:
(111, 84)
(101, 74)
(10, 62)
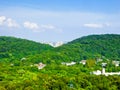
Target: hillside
(94, 46)
(25, 74)
(89, 47)
(11, 47)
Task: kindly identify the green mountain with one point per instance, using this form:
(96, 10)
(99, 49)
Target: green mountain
(94, 46)
(105, 46)
(11, 47)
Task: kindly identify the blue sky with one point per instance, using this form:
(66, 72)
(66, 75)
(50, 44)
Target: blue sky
(58, 20)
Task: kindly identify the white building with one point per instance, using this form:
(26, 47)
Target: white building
(98, 72)
(83, 62)
(104, 64)
(116, 63)
(72, 63)
(112, 73)
(40, 65)
(69, 64)
(103, 71)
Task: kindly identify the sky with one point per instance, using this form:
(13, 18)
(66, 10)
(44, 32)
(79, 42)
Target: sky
(58, 20)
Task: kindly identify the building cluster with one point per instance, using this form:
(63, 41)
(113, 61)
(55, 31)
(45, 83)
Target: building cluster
(98, 72)
(103, 72)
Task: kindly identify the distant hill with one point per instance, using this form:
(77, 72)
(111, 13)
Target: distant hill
(105, 46)
(11, 47)
(102, 37)
(94, 46)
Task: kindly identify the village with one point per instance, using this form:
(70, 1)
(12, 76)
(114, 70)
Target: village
(102, 71)
(83, 62)
(98, 72)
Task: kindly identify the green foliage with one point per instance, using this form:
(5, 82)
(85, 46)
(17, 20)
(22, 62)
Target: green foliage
(90, 63)
(107, 45)
(15, 48)
(18, 56)
(90, 47)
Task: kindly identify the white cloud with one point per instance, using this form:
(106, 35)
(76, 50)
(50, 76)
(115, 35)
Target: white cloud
(31, 25)
(95, 25)
(42, 27)
(11, 23)
(2, 20)
(48, 26)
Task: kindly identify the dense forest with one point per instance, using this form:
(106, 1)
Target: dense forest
(16, 48)
(19, 60)
(89, 47)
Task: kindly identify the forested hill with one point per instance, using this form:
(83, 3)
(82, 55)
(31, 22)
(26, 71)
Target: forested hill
(100, 38)
(94, 46)
(11, 47)
(105, 46)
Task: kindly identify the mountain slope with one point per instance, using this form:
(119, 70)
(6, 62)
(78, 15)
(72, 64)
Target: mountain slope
(94, 46)
(15, 47)
(89, 47)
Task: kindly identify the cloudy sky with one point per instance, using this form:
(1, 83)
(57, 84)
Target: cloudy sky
(58, 20)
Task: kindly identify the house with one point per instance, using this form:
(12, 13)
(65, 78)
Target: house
(104, 64)
(69, 64)
(83, 62)
(98, 72)
(116, 63)
(40, 65)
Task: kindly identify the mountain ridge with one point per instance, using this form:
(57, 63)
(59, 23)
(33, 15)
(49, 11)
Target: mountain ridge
(18, 48)
(87, 47)
(107, 46)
